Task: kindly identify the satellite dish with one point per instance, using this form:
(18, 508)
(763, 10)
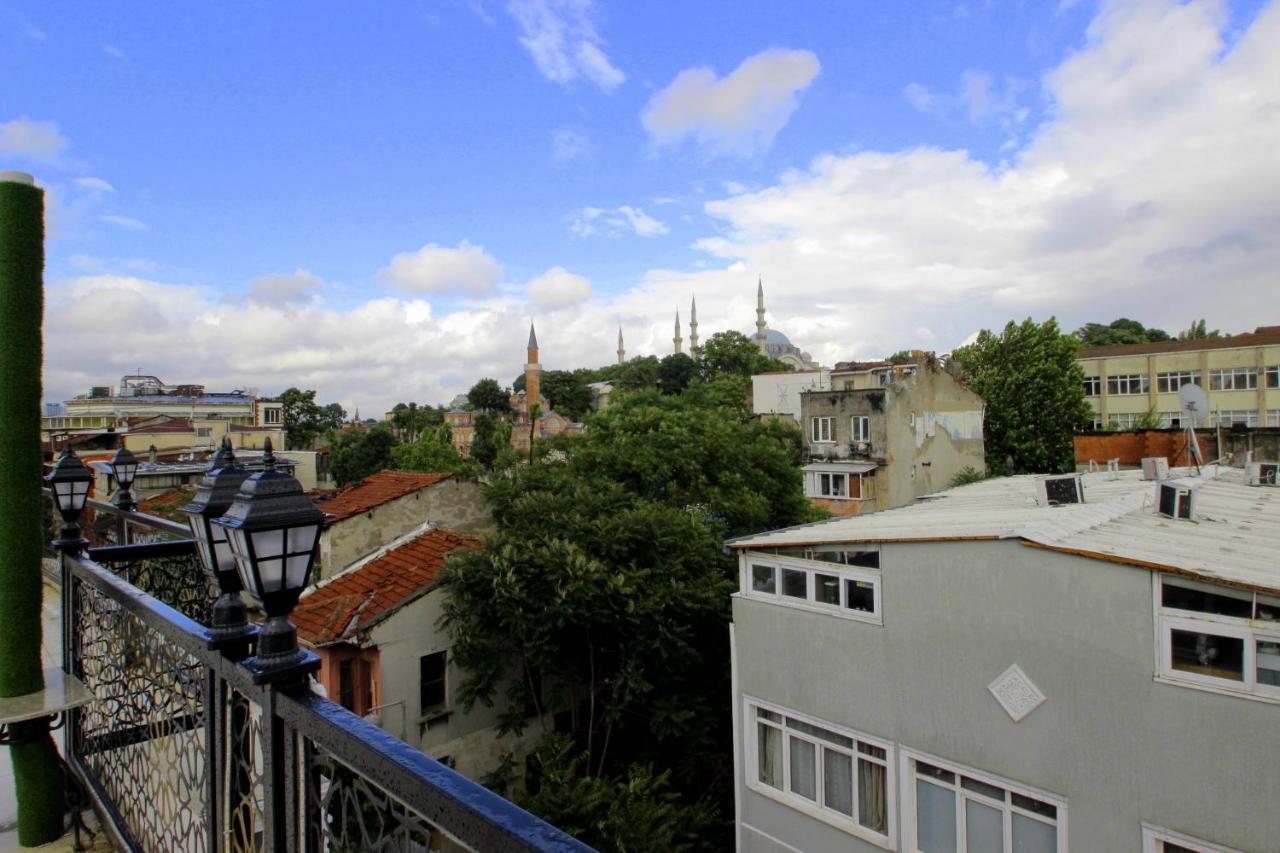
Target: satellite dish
(1194, 405)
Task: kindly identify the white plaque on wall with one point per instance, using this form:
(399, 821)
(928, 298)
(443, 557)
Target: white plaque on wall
(1015, 693)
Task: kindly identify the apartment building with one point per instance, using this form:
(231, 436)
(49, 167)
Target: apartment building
(1241, 374)
(1023, 664)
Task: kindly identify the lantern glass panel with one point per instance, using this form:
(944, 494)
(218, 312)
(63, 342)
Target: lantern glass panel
(268, 545)
(238, 541)
(125, 474)
(200, 532)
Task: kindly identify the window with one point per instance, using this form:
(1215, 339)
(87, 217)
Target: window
(1171, 420)
(204, 432)
(1219, 636)
(843, 590)
(431, 672)
(1169, 383)
(1092, 386)
(947, 807)
(1272, 375)
(1127, 383)
(860, 428)
(1273, 417)
(347, 684)
(1157, 840)
(1230, 417)
(271, 415)
(1095, 424)
(827, 771)
(1233, 379)
(833, 485)
(1122, 420)
(822, 429)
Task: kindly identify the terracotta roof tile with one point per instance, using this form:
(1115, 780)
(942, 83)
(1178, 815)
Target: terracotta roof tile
(348, 603)
(1262, 336)
(375, 490)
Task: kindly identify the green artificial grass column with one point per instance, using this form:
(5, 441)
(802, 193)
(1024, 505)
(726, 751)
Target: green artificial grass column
(37, 774)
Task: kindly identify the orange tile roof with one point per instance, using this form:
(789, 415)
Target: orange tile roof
(1261, 336)
(375, 490)
(352, 601)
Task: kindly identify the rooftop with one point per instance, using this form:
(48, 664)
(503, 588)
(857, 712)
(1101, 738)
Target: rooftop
(353, 600)
(1261, 336)
(1234, 537)
(375, 490)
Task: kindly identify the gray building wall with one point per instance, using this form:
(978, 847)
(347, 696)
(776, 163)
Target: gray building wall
(1119, 747)
(455, 504)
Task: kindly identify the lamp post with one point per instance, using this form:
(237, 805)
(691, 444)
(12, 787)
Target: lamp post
(213, 498)
(273, 529)
(124, 467)
(70, 480)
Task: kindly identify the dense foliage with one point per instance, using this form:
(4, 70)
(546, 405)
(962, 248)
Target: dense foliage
(409, 420)
(358, 453)
(488, 396)
(734, 353)
(1197, 331)
(1122, 331)
(604, 601)
(433, 451)
(305, 419)
(1034, 392)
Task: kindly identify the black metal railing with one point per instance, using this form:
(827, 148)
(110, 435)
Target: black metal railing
(182, 751)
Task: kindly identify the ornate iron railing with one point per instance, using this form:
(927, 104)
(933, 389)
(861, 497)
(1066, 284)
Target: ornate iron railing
(183, 752)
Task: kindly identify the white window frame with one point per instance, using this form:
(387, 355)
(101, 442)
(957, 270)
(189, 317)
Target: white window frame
(1169, 382)
(1152, 836)
(1122, 420)
(831, 491)
(1128, 384)
(1228, 417)
(1233, 379)
(907, 799)
(1167, 420)
(858, 574)
(860, 428)
(1273, 417)
(1271, 376)
(272, 414)
(1250, 631)
(822, 425)
(1093, 386)
(814, 808)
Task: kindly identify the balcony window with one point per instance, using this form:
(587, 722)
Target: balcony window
(822, 430)
(860, 428)
(432, 671)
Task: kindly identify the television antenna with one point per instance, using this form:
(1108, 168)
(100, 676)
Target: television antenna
(1193, 409)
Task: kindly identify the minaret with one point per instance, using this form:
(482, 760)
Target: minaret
(622, 351)
(760, 326)
(677, 340)
(532, 372)
(693, 326)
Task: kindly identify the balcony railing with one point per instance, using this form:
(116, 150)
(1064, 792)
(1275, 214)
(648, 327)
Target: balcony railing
(180, 750)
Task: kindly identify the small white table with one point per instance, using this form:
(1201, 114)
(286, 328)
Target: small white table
(62, 692)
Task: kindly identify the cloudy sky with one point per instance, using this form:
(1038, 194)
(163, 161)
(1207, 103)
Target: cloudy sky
(373, 200)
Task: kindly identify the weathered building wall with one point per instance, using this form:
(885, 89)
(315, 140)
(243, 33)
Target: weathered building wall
(1131, 446)
(455, 503)
(1120, 747)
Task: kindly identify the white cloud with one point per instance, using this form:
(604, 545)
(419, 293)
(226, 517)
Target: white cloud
(922, 99)
(37, 141)
(568, 145)
(285, 288)
(564, 43)
(128, 223)
(623, 219)
(557, 287)
(96, 184)
(114, 52)
(440, 269)
(740, 113)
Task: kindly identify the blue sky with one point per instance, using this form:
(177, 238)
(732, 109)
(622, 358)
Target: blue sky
(374, 200)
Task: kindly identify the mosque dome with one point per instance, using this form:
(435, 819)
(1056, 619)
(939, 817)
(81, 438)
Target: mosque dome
(773, 336)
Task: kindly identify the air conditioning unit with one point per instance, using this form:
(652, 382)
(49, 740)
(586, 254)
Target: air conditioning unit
(1155, 468)
(1175, 499)
(1264, 473)
(1060, 491)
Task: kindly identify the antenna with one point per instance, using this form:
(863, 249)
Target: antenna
(1193, 406)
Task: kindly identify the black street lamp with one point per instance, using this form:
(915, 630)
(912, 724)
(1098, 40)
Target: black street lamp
(273, 529)
(70, 481)
(124, 467)
(213, 498)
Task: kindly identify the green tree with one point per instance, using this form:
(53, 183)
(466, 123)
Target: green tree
(1197, 331)
(304, 418)
(1034, 393)
(492, 436)
(734, 353)
(637, 373)
(675, 372)
(568, 392)
(488, 396)
(433, 451)
(902, 356)
(409, 420)
(359, 453)
(1122, 331)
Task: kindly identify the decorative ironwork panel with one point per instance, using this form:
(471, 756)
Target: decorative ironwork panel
(244, 795)
(347, 812)
(180, 581)
(143, 738)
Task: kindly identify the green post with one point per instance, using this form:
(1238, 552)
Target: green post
(36, 771)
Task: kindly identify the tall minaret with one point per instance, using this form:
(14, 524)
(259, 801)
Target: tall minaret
(532, 371)
(693, 326)
(760, 326)
(622, 351)
(677, 340)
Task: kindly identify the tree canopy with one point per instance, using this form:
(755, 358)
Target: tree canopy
(1122, 331)
(359, 453)
(1197, 331)
(734, 353)
(1034, 392)
(675, 372)
(304, 418)
(488, 396)
(433, 451)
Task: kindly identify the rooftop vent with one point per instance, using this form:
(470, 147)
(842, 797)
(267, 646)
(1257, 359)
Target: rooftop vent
(1155, 468)
(1060, 490)
(1175, 500)
(1264, 473)
(1113, 468)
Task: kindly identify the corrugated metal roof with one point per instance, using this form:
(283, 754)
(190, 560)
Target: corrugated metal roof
(1235, 536)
